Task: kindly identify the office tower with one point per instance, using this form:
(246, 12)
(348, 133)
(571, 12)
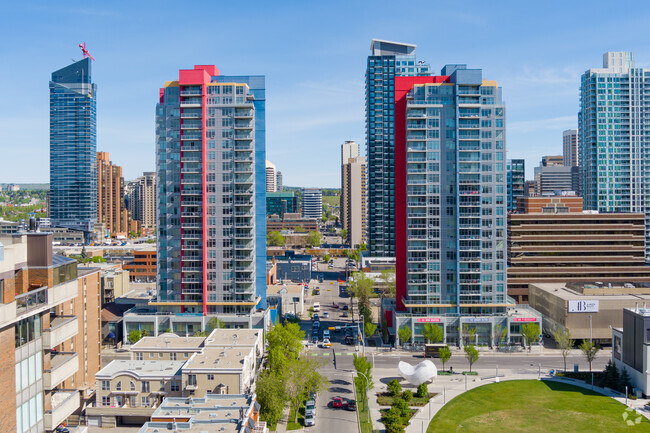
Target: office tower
(388, 60)
(312, 203)
(614, 137)
(271, 177)
(73, 146)
(353, 200)
(50, 334)
(552, 178)
(278, 181)
(279, 203)
(570, 147)
(211, 193)
(529, 188)
(550, 161)
(516, 169)
(141, 195)
(110, 196)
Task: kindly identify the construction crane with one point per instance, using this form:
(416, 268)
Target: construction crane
(85, 51)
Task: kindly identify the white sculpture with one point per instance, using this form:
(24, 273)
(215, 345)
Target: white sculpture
(423, 372)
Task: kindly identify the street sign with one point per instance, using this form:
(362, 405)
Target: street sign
(428, 320)
(586, 306)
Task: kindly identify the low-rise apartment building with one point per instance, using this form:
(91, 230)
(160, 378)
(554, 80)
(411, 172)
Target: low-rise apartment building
(143, 266)
(49, 334)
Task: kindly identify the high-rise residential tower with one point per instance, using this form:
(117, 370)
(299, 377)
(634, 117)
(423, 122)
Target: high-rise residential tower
(516, 171)
(349, 149)
(387, 61)
(570, 147)
(211, 193)
(312, 203)
(278, 181)
(271, 177)
(614, 137)
(73, 147)
(110, 196)
(353, 200)
(142, 199)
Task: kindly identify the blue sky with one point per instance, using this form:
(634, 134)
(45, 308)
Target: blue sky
(313, 55)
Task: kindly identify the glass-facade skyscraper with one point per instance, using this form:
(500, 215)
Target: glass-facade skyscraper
(210, 156)
(387, 61)
(516, 172)
(614, 137)
(73, 148)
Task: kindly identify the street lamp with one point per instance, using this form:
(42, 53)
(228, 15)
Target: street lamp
(362, 332)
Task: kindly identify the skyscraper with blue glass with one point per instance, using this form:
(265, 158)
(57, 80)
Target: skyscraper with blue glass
(516, 172)
(73, 147)
(210, 157)
(614, 137)
(387, 61)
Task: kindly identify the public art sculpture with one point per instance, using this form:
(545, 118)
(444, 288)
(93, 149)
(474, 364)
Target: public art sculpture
(421, 373)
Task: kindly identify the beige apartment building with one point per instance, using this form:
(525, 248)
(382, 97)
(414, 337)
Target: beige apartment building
(129, 391)
(353, 200)
(49, 335)
(110, 196)
(142, 199)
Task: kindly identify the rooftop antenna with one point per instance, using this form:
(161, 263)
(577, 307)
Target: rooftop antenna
(85, 51)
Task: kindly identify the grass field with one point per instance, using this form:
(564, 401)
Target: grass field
(362, 407)
(533, 406)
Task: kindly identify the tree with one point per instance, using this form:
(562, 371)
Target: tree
(433, 333)
(394, 387)
(285, 344)
(624, 380)
(275, 239)
(423, 390)
(270, 395)
(327, 257)
(563, 342)
(471, 354)
(387, 276)
(369, 329)
(136, 335)
(499, 335)
(445, 355)
(361, 285)
(407, 395)
(467, 334)
(83, 252)
(301, 377)
(365, 311)
(313, 239)
(363, 366)
(404, 334)
(612, 377)
(344, 234)
(530, 331)
(216, 323)
(403, 407)
(589, 349)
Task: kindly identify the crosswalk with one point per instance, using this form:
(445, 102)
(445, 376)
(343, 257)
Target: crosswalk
(335, 353)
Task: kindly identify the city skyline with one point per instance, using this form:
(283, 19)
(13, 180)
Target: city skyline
(539, 71)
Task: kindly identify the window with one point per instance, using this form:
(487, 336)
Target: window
(132, 385)
(138, 356)
(145, 386)
(118, 387)
(161, 386)
(145, 401)
(106, 385)
(191, 379)
(175, 386)
(210, 376)
(172, 356)
(106, 400)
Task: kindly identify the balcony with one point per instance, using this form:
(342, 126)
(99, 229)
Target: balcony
(61, 328)
(62, 366)
(64, 404)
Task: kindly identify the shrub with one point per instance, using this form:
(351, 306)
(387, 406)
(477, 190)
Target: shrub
(403, 407)
(394, 387)
(407, 395)
(423, 390)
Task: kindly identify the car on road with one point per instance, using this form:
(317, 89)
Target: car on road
(314, 339)
(309, 420)
(326, 333)
(327, 342)
(337, 403)
(316, 306)
(348, 340)
(345, 308)
(326, 314)
(351, 405)
(315, 317)
(315, 325)
(310, 408)
(344, 314)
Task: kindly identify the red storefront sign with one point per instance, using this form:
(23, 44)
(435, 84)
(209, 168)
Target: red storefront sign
(428, 320)
(524, 319)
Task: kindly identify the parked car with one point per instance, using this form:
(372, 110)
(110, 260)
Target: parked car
(316, 306)
(351, 405)
(310, 408)
(326, 333)
(309, 420)
(314, 339)
(315, 324)
(315, 317)
(337, 403)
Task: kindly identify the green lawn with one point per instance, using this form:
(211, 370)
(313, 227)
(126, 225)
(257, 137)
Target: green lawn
(533, 406)
(384, 399)
(362, 407)
(301, 418)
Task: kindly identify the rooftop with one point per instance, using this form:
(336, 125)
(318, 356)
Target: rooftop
(140, 369)
(233, 337)
(273, 289)
(218, 358)
(168, 342)
(564, 291)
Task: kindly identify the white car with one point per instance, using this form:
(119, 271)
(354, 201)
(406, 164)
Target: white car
(310, 408)
(309, 420)
(316, 306)
(326, 314)
(326, 333)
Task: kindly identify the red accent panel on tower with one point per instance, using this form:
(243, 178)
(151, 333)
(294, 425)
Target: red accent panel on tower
(402, 86)
(210, 69)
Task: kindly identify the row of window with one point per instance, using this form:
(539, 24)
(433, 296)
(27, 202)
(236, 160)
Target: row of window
(29, 413)
(29, 371)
